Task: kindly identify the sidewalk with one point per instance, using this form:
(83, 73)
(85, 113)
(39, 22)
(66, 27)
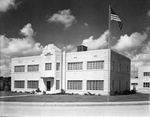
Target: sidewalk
(74, 103)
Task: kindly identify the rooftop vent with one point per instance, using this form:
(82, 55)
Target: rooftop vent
(81, 48)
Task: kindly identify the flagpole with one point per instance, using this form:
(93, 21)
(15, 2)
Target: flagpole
(109, 54)
(109, 27)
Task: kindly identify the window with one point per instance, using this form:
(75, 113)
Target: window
(19, 84)
(75, 66)
(146, 73)
(20, 68)
(57, 84)
(48, 66)
(74, 85)
(57, 66)
(112, 84)
(95, 84)
(113, 65)
(95, 65)
(33, 84)
(120, 67)
(127, 69)
(33, 68)
(134, 84)
(146, 84)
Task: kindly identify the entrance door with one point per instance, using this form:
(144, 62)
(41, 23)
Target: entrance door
(48, 85)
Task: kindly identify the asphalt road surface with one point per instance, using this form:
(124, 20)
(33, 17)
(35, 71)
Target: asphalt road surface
(63, 110)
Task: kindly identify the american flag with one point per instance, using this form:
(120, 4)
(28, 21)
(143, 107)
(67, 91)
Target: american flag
(115, 17)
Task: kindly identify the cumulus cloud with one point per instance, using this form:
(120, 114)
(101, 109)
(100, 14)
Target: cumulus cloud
(27, 30)
(64, 17)
(126, 42)
(98, 43)
(17, 47)
(51, 47)
(70, 48)
(6, 5)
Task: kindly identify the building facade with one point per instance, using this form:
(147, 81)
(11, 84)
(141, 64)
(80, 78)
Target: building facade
(142, 82)
(97, 71)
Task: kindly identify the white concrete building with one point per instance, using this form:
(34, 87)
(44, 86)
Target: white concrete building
(96, 71)
(142, 83)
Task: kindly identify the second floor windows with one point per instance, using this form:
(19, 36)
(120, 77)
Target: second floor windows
(95, 65)
(33, 68)
(75, 66)
(20, 68)
(48, 66)
(146, 73)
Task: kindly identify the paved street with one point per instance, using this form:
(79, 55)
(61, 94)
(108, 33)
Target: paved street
(73, 110)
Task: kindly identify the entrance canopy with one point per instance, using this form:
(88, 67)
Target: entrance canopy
(47, 77)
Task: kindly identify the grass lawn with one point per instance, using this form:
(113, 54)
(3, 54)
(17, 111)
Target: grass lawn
(75, 98)
(8, 93)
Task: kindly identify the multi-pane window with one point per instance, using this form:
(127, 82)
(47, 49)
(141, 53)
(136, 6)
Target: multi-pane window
(48, 66)
(57, 84)
(146, 84)
(95, 65)
(33, 84)
(75, 66)
(74, 85)
(57, 66)
(19, 84)
(134, 84)
(95, 84)
(20, 68)
(146, 73)
(33, 68)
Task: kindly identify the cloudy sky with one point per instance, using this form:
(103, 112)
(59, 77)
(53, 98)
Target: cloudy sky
(28, 26)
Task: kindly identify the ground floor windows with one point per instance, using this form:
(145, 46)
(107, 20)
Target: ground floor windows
(74, 85)
(95, 84)
(19, 84)
(146, 84)
(33, 84)
(57, 84)
(134, 84)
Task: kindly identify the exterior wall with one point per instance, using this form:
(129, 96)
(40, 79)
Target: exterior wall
(142, 79)
(85, 74)
(107, 74)
(120, 73)
(25, 75)
(50, 56)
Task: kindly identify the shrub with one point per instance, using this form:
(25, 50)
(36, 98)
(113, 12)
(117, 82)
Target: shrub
(126, 92)
(62, 91)
(44, 92)
(33, 92)
(38, 90)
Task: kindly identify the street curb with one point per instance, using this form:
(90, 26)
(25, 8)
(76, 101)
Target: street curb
(74, 103)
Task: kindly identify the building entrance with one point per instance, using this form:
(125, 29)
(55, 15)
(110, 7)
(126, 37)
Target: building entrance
(48, 85)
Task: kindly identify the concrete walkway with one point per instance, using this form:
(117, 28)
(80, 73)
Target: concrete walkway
(75, 103)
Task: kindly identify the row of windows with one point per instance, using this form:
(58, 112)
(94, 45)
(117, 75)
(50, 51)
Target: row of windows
(146, 73)
(91, 85)
(34, 68)
(75, 66)
(90, 65)
(30, 84)
(146, 84)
